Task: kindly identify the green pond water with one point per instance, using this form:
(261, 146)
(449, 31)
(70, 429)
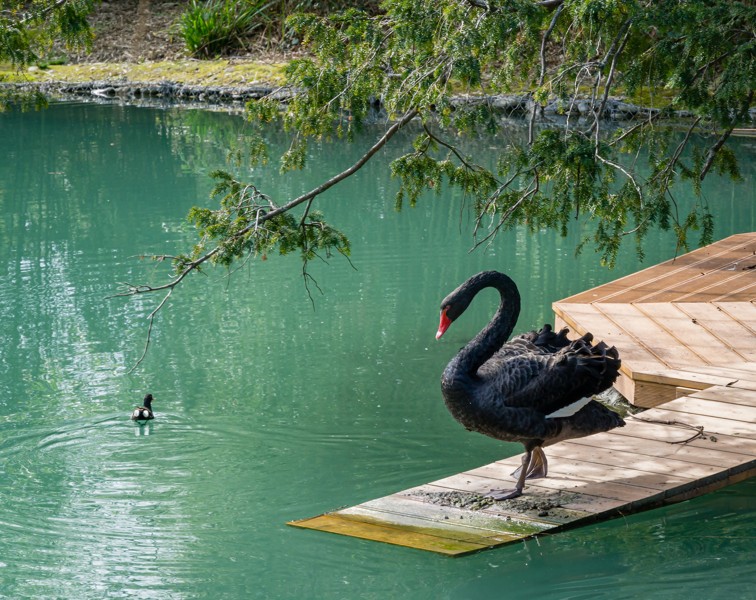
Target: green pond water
(270, 409)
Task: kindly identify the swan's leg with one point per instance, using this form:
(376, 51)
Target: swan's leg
(539, 466)
(508, 494)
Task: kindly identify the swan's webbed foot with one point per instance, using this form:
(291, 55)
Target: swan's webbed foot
(537, 467)
(503, 494)
(536, 454)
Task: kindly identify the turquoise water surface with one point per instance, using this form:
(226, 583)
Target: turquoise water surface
(271, 407)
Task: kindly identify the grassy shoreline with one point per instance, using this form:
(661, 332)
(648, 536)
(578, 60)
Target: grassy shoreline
(225, 72)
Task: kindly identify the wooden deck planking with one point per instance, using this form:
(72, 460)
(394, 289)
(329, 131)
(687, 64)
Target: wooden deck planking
(743, 312)
(689, 333)
(649, 335)
(582, 318)
(647, 463)
(720, 324)
(712, 453)
(694, 312)
(717, 260)
(683, 328)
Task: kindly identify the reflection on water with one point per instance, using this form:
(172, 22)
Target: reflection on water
(267, 409)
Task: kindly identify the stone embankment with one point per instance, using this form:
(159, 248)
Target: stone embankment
(164, 93)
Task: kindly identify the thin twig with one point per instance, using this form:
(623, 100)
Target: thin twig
(149, 331)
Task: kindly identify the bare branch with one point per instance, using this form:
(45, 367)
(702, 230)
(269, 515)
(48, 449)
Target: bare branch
(149, 330)
(262, 216)
(533, 189)
(712, 154)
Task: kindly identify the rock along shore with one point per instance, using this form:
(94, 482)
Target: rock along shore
(167, 93)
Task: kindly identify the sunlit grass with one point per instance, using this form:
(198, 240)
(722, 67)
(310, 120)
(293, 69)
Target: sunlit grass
(189, 72)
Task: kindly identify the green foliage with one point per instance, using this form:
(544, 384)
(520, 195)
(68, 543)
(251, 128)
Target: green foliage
(212, 28)
(413, 59)
(419, 54)
(28, 29)
(246, 224)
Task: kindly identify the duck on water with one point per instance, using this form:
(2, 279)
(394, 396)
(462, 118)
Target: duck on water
(535, 389)
(142, 414)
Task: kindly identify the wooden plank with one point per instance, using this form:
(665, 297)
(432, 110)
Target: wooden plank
(699, 454)
(743, 312)
(736, 372)
(675, 432)
(714, 408)
(471, 526)
(732, 332)
(690, 334)
(707, 287)
(379, 531)
(584, 318)
(730, 395)
(583, 496)
(711, 425)
(680, 377)
(488, 477)
(649, 395)
(650, 336)
(667, 275)
(518, 516)
(650, 464)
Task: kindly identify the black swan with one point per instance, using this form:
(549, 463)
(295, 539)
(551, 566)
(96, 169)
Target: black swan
(143, 413)
(535, 389)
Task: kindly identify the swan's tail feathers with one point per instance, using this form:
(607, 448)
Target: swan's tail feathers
(547, 340)
(599, 364)
(569, 410)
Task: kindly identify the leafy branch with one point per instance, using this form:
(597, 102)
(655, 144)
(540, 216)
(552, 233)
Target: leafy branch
(248, 223)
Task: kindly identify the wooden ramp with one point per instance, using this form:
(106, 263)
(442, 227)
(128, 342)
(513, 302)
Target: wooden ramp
(686, 332)
(694, 314)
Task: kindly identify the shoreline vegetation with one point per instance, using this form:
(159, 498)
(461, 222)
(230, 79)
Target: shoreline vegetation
(137, 57)
(235, 96)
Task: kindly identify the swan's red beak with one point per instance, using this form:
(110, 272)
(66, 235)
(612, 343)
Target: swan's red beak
(443, 325)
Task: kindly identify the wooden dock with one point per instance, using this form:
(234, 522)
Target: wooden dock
(686, 332)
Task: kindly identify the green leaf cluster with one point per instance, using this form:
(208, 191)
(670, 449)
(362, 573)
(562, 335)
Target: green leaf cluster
(247, 224)
(461, 67)
(28, 29)
(696, 56)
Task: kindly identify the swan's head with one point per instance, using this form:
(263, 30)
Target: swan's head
(457, 302)
(148, 400)
(452, 307)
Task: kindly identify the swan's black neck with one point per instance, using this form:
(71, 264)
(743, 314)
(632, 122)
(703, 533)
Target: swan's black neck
(494, 335)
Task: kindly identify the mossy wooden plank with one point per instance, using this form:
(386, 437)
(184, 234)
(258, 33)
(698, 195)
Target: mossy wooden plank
(417, 504)
(538, 510)
(379, 531)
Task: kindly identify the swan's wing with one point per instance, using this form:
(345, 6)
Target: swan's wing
(549, 382)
